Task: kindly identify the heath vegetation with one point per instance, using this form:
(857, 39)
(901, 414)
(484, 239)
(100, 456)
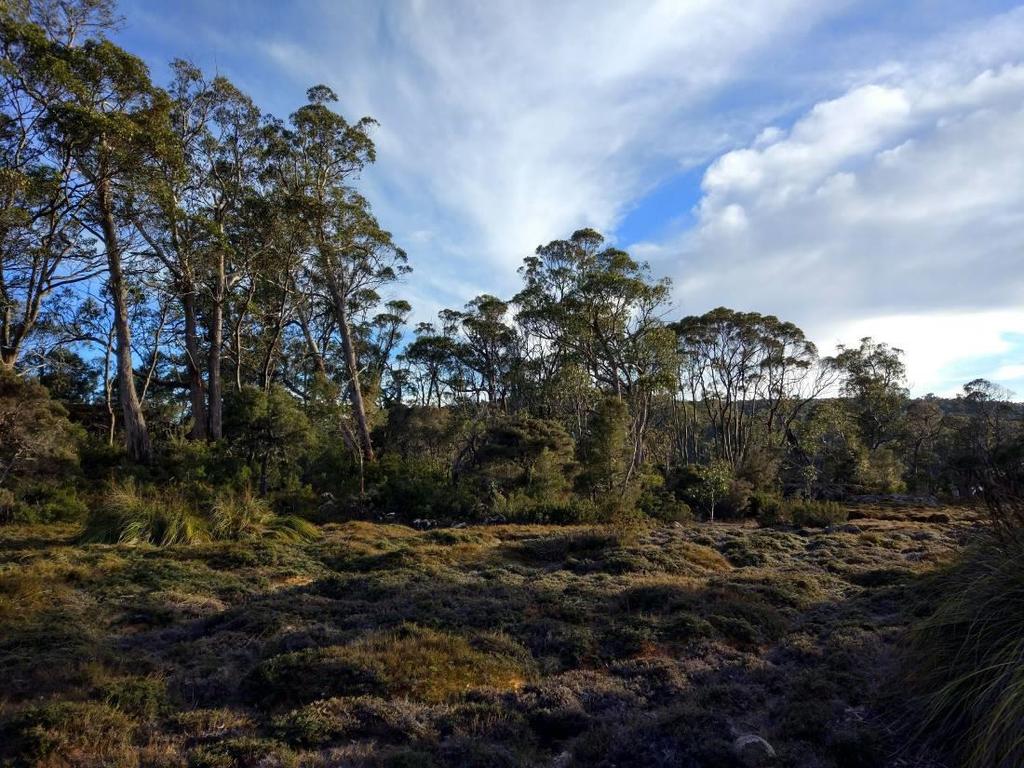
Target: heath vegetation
(250, 517)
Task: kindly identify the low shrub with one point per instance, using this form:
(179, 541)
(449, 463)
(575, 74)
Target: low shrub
(802, 513)
(765, 506)
(332, 720)
(815, 514)
(42, 503)
(966, 661)
(142, 697)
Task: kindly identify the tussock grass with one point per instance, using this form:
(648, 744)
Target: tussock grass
(73, 733)
(131, 514)
(243, 516)
(968, 659)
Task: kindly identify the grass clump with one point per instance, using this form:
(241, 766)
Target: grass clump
(243, 752)
(968, 659)
(333, 720)
(144, 698)
(243, 516)
(71, 733)
(411, 662)
(131, 514)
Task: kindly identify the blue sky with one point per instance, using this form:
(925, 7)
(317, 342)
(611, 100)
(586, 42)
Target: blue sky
(855, 167)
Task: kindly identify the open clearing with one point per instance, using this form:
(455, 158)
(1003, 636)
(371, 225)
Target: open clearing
(483, 646)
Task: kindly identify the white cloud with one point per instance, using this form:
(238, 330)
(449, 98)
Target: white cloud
(940, 347)
(895, 209)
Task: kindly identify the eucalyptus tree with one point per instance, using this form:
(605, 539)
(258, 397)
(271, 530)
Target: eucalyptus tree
(109, 122)
(487, 347)
(430, 356)
(351, 257)
(874, 378)
(45, 252)
(748, 377)
(596, 307)
(233, 152)
(379, 338)
(168, 214)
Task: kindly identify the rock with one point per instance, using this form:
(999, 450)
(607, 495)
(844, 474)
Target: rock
(850, 528)
(752, 751)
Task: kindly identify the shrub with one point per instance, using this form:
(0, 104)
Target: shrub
(815, 514)
(332, 720)
(36, 437)
(803, 513)
(131, 514)
(766, 507)
(42, 503)
(966, 659)
(706, 486)
(664, 506)
(141, 697)
(268, 429)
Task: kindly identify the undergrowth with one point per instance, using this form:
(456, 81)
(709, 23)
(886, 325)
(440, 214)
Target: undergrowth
(968, 659)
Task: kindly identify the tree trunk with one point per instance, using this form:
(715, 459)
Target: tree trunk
(216, 336)
(196, 390)
(356, 391)
(136, 435)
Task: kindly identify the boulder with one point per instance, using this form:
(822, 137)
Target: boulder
(752, 751)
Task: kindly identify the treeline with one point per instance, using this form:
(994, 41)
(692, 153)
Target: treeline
(210, 299)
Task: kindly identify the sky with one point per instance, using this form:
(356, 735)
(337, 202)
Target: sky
(855, 167)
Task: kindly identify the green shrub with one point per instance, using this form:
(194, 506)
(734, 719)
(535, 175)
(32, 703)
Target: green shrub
(131, 514)
(333, 720)
(815, 514)
(665, 507)
(765, 506)
(802, 513)
(42, 503)
(966, 661)
(36, 438)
